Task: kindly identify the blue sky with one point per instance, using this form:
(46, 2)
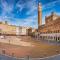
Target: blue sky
(24, 12)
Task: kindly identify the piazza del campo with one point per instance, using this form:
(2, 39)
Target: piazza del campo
(23, 41)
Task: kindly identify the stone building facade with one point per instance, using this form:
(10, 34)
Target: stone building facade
(51, 29)
(7, 29)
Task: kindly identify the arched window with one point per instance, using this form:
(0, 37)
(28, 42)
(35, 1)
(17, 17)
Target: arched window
(58, 31)
(54, 38)
(58, 38)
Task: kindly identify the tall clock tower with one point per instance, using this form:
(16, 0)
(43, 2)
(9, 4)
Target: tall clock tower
(39, 15)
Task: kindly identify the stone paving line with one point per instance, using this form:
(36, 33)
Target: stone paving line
(55, 57)
(16, 42)
(46, 57)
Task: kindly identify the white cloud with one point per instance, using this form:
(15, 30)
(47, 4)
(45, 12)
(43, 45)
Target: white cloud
(6, 8)
(50, 5)
(32, 7)
(30, 21)
(20, 6)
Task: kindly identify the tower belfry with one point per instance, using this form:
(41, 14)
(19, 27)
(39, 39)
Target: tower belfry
(39, 15)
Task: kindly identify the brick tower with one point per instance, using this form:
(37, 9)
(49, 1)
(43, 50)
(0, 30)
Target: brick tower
(39, 15)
